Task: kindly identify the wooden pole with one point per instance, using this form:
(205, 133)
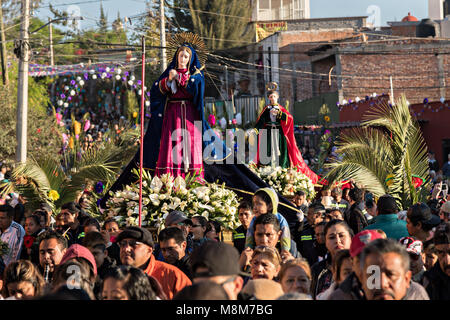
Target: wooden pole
(141, 160)
(22, 85)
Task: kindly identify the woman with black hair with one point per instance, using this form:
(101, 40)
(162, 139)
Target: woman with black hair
(338, 236)
(127, 283)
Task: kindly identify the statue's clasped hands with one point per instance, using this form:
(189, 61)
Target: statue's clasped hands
(172, 74)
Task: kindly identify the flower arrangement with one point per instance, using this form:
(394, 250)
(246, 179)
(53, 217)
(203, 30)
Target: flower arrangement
(4, 248)
(161, 195)
(286, 181)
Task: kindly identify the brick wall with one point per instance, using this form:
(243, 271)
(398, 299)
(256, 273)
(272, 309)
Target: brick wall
(415, 73)
(293, 48)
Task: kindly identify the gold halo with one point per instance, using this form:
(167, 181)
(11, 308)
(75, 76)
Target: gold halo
(272, 86)
(194, 40)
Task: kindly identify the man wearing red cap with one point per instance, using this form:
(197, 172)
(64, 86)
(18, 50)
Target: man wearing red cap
(350, 288)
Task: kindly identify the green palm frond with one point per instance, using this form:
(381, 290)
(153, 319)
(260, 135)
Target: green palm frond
(35, 178)
(97, 164)
(388, 145)
(358, 172)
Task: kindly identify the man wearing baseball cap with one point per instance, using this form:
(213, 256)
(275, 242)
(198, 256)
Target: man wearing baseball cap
(218, 262)
(136, 250)
(351, 288)
(420, 221)
(387, 219)
(414, 248)
(437, 279)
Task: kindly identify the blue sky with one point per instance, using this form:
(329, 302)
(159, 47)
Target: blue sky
(390, 10)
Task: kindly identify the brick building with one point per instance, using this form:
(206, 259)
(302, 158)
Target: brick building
(419, 68)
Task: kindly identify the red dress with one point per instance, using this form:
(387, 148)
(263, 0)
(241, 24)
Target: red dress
(180, 149)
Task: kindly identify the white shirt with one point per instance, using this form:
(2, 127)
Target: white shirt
(13, 236)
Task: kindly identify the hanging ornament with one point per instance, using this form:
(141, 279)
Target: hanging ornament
(147, 103)
(72, 92)
(66, 105)
(357, 99)
(132, 78)
(103, 75)
(66, 88)
(119, 71)
(91, 71)
(78, 79)
(442, 99)
(117, 77)
(81, 83)
(107, 69)
(94, 76)
(130, 82)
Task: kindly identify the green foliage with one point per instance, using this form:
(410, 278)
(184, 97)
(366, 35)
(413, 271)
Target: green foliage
(43, 133)
(103, 22)
(388, 145)
(218, 22)
(38, 176)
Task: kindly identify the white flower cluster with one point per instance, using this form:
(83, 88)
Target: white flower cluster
(161, 195)
(286, 181)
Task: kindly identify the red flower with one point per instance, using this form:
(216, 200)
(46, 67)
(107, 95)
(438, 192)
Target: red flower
(38, 130)
(28, 241)
(417, 181)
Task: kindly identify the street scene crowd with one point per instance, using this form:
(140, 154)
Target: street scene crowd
(326, 256)
(354, 210)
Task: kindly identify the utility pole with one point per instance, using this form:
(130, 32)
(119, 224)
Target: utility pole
(162, 27)
(50, 38)
(22, 90)
(3, 49)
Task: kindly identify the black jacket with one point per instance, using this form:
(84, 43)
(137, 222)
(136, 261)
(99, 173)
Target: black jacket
(305, 240)
(437, 283)
(239, 238)
(184, 264)
(356, 218)
(322, 277)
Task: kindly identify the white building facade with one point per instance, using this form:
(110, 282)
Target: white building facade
(267, 10)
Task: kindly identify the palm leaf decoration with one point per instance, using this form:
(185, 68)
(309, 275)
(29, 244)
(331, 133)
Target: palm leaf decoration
(384, 154)
(35, 178)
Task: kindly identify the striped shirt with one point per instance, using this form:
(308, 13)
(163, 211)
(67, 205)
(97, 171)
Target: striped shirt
(13, 236)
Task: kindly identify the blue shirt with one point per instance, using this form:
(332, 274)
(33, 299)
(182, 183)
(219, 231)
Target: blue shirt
(391, 225)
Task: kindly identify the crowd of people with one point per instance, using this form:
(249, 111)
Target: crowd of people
(347, 246)
(102, 126)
